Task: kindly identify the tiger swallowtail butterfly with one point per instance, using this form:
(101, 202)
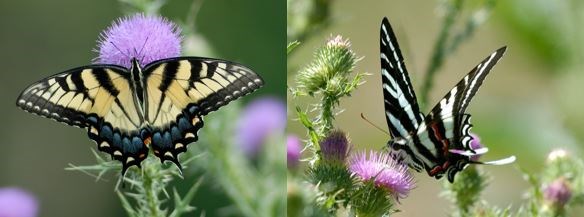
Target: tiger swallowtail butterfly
(440, 141)
(129, 111)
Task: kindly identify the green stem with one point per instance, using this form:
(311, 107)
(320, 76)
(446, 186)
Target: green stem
(440, 51)
(327, 114)
(151, 194)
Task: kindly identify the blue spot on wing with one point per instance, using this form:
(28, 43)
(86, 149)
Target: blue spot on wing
(157, 138)
(166, 140)
(183, 124)
(117, 140)
(106, 132)
(182, 131)
(126, 145)
(176, 134)
(193, 109)
(111, 140)
(92, 120)
(137, 142)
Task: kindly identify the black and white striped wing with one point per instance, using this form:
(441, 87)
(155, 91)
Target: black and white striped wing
(450, 111)
(401, 106)
(96, 97)
(447, 126)
(180, 91)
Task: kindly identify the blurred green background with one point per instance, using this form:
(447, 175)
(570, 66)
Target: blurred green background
(41, 38)
(530, 104)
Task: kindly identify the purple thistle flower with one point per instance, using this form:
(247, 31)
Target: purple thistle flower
(384, 171)
(146, 38)
(15, 202)
(293, 148)
(558, 192)
(260, 119)
(475, 144)
(335, 147)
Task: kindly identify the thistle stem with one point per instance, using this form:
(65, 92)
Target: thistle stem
(440, 50)
(327, 115)
(151, 194)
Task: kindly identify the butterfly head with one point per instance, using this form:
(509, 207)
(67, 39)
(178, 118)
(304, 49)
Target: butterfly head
(136, 70)
(135, 63)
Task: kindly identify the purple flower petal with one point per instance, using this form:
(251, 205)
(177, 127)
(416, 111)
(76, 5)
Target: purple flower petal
(15, 202)
(261, 118)
(335, 147)
(384, 171)
(293, 148)
(475, 144)
(146, 38)
(558, 192)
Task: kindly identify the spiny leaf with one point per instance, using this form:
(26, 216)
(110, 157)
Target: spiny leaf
(291, 46)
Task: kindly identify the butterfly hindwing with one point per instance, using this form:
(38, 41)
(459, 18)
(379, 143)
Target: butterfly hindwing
(98, 98)
(450, 125)
(182, 90)
(451, 108)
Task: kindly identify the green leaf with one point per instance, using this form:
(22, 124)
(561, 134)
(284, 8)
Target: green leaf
(291, 46)
(126, 205)
(182, 206)
(303, 117)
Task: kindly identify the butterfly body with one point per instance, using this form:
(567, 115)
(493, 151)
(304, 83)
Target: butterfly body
(127, 112)
(439, 142)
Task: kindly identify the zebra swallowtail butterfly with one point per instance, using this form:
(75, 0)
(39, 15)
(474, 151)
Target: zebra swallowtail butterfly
(440, 141)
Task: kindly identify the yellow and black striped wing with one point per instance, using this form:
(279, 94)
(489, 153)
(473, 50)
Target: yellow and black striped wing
(98, 98)
(180, 91)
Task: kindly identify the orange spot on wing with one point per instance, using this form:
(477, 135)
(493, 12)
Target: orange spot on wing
(446, 164)
(445, 146)
(147, 141)
(438, 169)
(445, 142)
(435, 170)
(436, 132)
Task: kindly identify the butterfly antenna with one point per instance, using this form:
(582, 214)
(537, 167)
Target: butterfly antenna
(372, 124)
(142, 49)
(120, 50)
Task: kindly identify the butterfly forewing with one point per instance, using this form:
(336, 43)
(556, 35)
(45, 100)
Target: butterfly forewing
(182, 90)
(402, 111)
(98, 98)
(401, 106)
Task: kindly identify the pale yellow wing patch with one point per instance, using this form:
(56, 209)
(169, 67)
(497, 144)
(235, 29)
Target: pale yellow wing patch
(208, 83)
(164, 107)
(68, 97)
